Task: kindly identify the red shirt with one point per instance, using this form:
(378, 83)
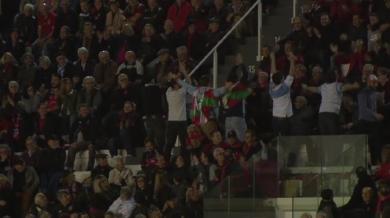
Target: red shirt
(47, 24)
(179, 15)
(383, 172)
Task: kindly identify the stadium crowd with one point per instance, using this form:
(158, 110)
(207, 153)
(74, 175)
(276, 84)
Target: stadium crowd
(107, 75)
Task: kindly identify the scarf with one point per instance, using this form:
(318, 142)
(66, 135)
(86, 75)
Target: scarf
(203, 104)
(235, 96)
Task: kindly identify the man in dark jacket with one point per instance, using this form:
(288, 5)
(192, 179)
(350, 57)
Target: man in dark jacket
(51, 166)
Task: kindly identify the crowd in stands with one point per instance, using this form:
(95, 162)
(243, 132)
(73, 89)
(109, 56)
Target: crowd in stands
(98, 75)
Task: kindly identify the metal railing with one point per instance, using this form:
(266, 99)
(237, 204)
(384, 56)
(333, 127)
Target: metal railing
(214, 52)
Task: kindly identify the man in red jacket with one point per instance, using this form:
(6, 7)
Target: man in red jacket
(178, 12)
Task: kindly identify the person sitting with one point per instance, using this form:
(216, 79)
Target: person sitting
(125, 204)
(120, 175)
(64, 205)
(40, 207)
(25, 183)
(102, 167)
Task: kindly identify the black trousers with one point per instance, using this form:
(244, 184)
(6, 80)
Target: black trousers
(328, 123)
(174, 129)
(281, 126)
(375, 143)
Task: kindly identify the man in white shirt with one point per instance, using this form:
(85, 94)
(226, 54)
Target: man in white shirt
(331, 98)
(177, 115)
(124, 205)
(279, 91)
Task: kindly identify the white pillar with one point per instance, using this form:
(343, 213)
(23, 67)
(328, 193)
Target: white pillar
(294, 8)
(215, 69)
(259, 28)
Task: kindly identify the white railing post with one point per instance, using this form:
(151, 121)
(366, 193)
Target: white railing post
(294, 8)
(215, 69)
(259, 27)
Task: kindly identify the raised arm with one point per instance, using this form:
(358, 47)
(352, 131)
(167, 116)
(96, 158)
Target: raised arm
(273, 63)
(313, 89)
(350, 87)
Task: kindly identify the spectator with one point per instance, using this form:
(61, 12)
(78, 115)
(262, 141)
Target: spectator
(84, 127)
(32, 153)
(66, 16)
(65, 44)
(131, 67)
(26, 24)
(40, 207)
(331, 92)
(327, 205)
(45, 123)
(43, 75)
(149, 44)
(125, 204)
(369, 118)
(7, 198)
(98, 14)
(179, 12)
(64, 67)
(115, 18)
(177, 115)
(102, 167)
(25, 182)
(27, 70)
(51, 166)
(84, 66)
(134, 13)
(302, 120)
(84, 15)
(8, 69)
(130, 126)
(90, 96)
(169, 38)
(143, 192)
(383, 200)
(64, 205)
(105, 72)
(280, 92)
(101, 197)
(154, 112)
(149, 157)
(46, 22)
(121, 175)
(5, 160)
(154, 14)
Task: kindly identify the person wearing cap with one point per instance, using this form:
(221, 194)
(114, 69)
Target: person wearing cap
(214, 33)
(102, 167)
(25, 182)
(369, 117)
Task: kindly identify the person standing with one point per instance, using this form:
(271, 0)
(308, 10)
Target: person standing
(177, 115)
(279, 90)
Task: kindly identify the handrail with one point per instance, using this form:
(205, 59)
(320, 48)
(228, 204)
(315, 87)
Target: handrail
(223, 38)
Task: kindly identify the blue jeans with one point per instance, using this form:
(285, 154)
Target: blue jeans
(238, 124)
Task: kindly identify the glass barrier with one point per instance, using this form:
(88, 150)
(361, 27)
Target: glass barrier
(285, 178)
